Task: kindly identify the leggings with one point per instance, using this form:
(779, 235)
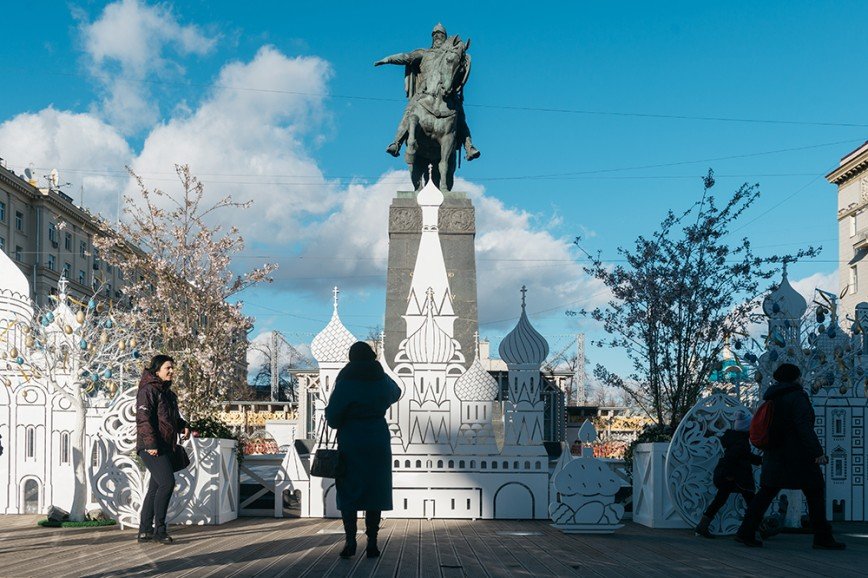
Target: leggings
(156, 502)
(723, 491)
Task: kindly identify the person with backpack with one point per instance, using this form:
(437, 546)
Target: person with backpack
(734, 471)
(792, 457)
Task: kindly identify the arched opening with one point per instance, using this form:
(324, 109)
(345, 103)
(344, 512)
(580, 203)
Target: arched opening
(30, 443)
(30, 496)
(397, 463)
(514, 501)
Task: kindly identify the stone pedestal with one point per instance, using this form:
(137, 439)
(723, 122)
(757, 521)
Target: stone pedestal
(457, 227)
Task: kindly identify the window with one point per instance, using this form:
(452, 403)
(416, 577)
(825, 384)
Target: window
(19, 220)
(81, 277)
(838, 423)
(30, 443)
(852, 225)
(838, 462)
(67, 241)
(67, 270)
(854, 280)
(52, 262)
(64, 447)
(82, 249)
(52, 232)
(19, 253)
(2, 211)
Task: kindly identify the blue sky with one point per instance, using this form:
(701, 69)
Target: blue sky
(593, 118)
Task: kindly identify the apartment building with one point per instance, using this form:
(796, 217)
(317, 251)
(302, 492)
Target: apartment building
(47, 235)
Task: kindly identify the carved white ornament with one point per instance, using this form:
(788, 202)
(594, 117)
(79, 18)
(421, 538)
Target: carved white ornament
(693, 454)
(119, 483)
(583, 500)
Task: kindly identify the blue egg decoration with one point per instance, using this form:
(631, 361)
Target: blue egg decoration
(44, 321)
(91, 304)
(83, 344)
(94, 377)
(107, 374)
(108, 324)
(49, 316)
(20, 361)
(136, 354)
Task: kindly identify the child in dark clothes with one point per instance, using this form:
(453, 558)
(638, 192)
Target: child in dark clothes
(733, 472)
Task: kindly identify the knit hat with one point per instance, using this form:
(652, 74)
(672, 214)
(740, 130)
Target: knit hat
(742, 422)
(361, 351)
(787, 373)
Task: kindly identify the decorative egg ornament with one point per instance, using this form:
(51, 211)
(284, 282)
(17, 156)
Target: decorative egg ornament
(91, 304)
(13, 352)
(107, 374)
(67, 330)
(83, 344)
(79, 317)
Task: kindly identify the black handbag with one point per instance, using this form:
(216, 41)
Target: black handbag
(326, 460)
(179, 458)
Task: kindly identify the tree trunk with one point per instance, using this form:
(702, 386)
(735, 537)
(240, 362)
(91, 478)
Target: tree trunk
(79, 496)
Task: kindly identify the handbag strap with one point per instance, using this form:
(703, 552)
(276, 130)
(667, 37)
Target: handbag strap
(324, 433)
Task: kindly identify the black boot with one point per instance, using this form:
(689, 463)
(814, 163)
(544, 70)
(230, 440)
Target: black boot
(748, 539)
(827, 542)
(351, 526)
(372, 528)
(702, 527)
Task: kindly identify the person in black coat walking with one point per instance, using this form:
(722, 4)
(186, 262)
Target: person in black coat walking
(158, 425)
(792, 460)
(357, 408)
(734, 472)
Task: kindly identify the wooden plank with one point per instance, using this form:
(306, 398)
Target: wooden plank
(408, 565)
(429, 564)
(470, 564)
(391, 552)
(367, 567)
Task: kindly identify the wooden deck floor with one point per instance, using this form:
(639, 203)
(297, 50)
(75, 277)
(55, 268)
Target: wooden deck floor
(309, 547)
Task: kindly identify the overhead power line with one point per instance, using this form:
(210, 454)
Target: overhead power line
(491, 106)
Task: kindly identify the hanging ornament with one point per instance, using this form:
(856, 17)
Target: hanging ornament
(26, 330)
(44, 321)
(103, 338)
(20, 361)
(68, 330)
(94, 377)
(133, 343)
(91, 304)
(83, 344)
(112, 388)
(13, 352)
(99, 307)
(30, 342)
(107, 374)
(108, 324)
(121, 345)
(79, 317)
(136, 354)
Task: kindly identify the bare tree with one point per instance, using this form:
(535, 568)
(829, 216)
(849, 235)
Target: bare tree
(679, 293)
(279, 358)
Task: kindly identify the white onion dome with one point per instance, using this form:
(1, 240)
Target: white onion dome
(430, 343)
(784, 302)
(476, 384)
(15, 302)
(524, 345)
(332, 344)
(430, 195)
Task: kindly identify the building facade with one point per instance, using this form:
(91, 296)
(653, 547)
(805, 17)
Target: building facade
(47, 236)
(851, 177)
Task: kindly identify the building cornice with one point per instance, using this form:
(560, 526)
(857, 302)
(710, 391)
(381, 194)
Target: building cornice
(852, 166)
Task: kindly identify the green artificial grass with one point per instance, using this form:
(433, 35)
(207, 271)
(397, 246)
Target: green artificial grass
(46, 523)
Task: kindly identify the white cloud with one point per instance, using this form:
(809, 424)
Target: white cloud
(68, 141)
(825, 281)
(251, 144)
(127, 43)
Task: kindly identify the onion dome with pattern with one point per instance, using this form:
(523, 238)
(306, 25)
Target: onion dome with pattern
(524, 345)
(476, 384)
(332, 344)
(784, 302)
(15, 302)
(430, 343)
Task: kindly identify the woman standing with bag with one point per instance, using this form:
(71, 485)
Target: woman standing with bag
(158, 425)
(357, 409)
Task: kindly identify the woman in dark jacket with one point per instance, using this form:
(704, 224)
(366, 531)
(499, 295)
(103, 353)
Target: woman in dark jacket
(734, 472)
(158, 425)
(791, 461)
(357, 409)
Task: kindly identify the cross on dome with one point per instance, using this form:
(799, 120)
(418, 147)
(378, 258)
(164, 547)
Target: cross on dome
(476, 342)
(62, 284)
(523, 295)
(336, 292)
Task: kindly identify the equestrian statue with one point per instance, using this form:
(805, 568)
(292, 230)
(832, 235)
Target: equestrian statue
(434, 126)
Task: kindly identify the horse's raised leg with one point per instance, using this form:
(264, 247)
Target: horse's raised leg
(417, 175)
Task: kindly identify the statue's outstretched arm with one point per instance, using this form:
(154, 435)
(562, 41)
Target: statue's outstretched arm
(401, 58)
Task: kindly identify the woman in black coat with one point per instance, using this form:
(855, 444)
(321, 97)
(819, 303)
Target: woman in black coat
(158, 425)
(792, 460)
(734, 471)
(357, 409)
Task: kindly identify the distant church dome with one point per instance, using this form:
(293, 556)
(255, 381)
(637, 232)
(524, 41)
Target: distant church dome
(784, 302)
(524, 345)
(332, 344)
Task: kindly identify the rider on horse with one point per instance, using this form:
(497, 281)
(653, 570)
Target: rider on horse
(416, 64)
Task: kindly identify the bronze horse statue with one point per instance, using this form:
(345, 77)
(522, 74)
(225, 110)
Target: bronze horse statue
(433, 124)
